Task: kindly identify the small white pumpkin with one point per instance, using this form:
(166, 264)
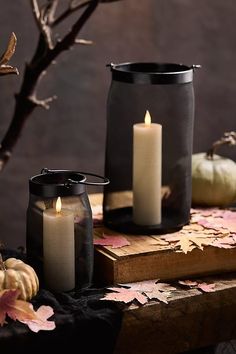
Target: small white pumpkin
(214, 176)
(213, 181)
(15, 274)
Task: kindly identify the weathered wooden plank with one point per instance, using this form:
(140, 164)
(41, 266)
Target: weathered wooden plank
(191, 320)
(168, 265)
(139, 244)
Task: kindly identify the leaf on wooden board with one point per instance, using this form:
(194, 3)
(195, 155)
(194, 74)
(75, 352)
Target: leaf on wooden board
(156, 294)
(115, 241)
(149, 285)
(15, 309)
(219, 219)
(141, 286)
(207, 288)
(152, 289)
(125, 295)
(208, 227)
(189, 283)
(41, 323)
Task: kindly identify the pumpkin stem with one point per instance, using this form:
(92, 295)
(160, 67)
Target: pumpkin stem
(229, 138)
(2, 265)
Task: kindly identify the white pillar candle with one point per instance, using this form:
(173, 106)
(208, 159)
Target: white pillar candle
(59, 248)
(147, 164)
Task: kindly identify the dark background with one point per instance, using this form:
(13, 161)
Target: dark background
(71, 135)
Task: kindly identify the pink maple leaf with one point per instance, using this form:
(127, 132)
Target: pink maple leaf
(41, 323)
(14, 308)
(207, 288)
(115, 241)
(149, 285)
(152, 289)
(125, 295)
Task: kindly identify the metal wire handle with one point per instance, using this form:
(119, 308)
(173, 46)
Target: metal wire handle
(71, 181)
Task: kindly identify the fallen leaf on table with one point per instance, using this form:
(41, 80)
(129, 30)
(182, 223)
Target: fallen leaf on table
(152, 289)
(149, 285)
(15, 309)
(115, 241)
(41, 323)
(208, 227)
(125, 295)
(158, 295)
(207, 288)
(184, 243)
(189, 283)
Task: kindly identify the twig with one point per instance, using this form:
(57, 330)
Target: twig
(44, 56)
(72, 8)
(229, 138)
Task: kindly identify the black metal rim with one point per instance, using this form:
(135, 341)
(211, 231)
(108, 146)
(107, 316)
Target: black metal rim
(54, 183)
(152, 72)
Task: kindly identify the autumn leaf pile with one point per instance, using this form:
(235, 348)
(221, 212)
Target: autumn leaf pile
(143, 291)
(208, 227)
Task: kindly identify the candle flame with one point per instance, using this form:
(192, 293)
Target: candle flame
(58, 205)
(147, 118)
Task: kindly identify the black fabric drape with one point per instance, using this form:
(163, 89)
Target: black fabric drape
(83, 322)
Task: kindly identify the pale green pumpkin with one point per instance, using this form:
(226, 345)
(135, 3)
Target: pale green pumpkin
(213, 180)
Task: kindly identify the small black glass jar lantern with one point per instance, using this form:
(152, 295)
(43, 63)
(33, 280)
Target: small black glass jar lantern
(59, 229)
(149, 165)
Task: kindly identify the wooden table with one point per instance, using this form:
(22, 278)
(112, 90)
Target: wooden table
(191, 320)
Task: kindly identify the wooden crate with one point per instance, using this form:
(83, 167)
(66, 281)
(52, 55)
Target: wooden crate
(143, 259)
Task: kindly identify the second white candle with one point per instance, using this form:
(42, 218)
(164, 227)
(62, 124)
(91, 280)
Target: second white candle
(147, 170)
(59, 249)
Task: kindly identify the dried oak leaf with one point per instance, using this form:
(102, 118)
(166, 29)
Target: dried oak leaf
(115, 241)
(4, 67)
(15, 309)
(125, 295)
(41, 323)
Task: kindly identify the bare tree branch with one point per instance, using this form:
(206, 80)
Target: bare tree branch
(44, 56)
(43, 103)
(83, 41)
(51, 14)
(72, 8)
(41, 19)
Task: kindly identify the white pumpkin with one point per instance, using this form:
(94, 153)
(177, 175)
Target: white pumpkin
(15, 274)
(213, 180)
